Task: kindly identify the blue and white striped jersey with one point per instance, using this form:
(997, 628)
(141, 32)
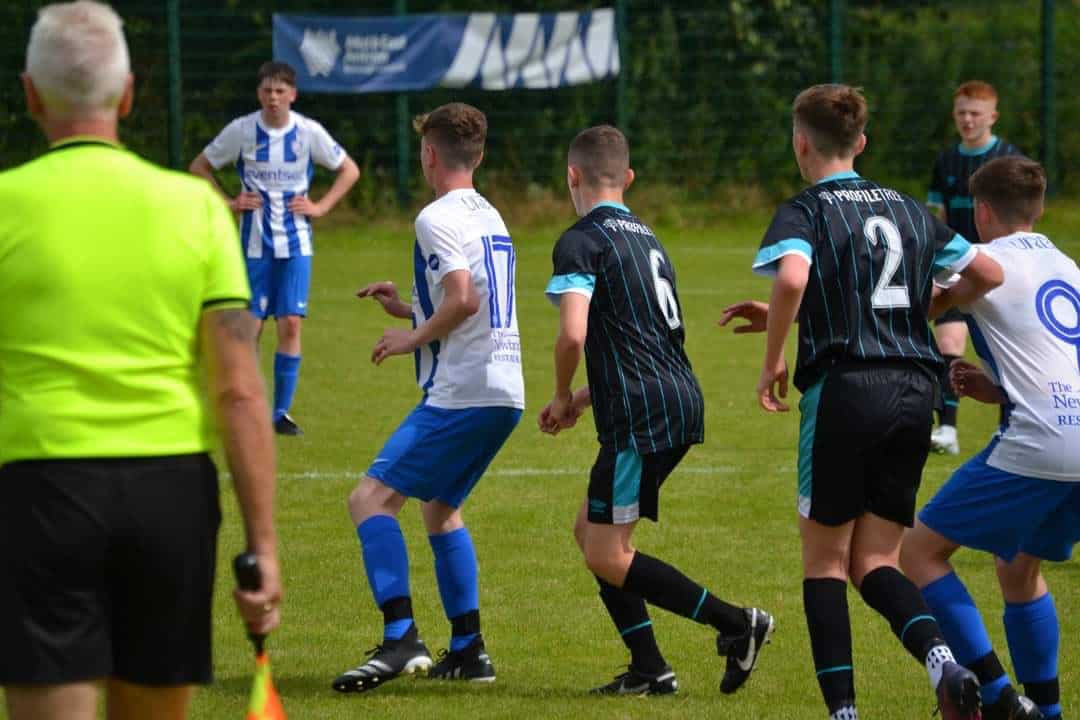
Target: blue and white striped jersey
(478, 363)
(278, 164)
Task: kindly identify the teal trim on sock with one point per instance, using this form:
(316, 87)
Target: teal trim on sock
(639, 626)
(912, 621)
(700, 602)
(838, 668)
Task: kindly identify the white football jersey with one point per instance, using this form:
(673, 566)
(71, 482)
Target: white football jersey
(479, 363)
(1026, 331)
(278, 164)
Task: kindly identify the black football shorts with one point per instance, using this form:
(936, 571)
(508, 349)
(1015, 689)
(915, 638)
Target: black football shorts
(863, 440)
(107, 570)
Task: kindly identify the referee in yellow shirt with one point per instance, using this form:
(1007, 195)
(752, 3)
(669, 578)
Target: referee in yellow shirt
(128, 279)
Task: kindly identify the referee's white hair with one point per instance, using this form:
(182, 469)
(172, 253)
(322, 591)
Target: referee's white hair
(77, 57)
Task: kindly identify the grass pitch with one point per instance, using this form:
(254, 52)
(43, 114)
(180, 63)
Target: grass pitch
(727, 519)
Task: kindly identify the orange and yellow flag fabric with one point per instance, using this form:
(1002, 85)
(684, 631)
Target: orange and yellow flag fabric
(265, 704)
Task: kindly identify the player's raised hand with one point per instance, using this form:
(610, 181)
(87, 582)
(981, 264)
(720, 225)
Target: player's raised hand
(246, 201)
(395, 341)
(303, 205)
(772, 385)
(756, 313)
(385, 292)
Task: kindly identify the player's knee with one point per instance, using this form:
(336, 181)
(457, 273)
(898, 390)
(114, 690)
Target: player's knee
(370, 497)
(605, 564)
(289, 328)
(1021, 579)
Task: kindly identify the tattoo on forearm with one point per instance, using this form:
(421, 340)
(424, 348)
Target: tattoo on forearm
(240, 324)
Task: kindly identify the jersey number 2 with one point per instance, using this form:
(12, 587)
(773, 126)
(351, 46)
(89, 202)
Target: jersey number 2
(665, 295)
(886, 295)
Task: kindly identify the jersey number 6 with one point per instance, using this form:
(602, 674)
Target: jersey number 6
(665, 295)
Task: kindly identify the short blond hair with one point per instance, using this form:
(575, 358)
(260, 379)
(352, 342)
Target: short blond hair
(77, 57)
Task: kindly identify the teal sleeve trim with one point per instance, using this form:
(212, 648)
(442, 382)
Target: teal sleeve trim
(954, 257)
(961, 203)
(767, 257)
(935, 198)
(581, 283)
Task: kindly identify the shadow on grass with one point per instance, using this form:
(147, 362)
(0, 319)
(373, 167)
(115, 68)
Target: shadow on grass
(310, 686)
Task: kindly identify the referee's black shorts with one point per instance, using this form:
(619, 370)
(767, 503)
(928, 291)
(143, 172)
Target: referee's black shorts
(107, 570)
(863, 441)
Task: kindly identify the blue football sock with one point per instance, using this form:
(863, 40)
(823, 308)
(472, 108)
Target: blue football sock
(386, 562)
(964, 630)
(958, 618)
(1033, 634)
(286, 374)
(458, 575)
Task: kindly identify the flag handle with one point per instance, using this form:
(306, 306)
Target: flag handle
(248, 577)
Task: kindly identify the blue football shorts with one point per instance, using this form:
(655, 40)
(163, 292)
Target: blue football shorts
(279, 286)
(440, 454)
(1002, 513)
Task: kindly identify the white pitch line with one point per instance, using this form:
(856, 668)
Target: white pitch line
(521, 472)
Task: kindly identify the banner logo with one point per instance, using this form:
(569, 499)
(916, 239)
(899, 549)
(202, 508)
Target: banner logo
(320, 51)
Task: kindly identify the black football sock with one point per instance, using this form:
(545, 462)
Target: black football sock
(950, 401)
(631, 618)
(897, 600)
(827, 618)
(664, 586)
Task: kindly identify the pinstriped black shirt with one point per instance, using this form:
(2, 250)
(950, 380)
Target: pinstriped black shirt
(873, 253)
(949, 186)
(644, 392)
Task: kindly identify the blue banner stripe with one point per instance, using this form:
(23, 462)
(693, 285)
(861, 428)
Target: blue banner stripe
(484, 50)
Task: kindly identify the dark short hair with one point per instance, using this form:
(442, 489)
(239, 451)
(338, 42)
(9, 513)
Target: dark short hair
(832, 116)
(458, 130)
(279, 71)
(1013, 186)
(602, 154)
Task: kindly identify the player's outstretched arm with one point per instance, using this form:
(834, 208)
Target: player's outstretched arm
(755, 313)
(562, 412)
(982, 275)
(239, 400)
(460, 302)
(792, 276)
(969, 380)
(244, 201)
(346, 177)
(386, 294)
